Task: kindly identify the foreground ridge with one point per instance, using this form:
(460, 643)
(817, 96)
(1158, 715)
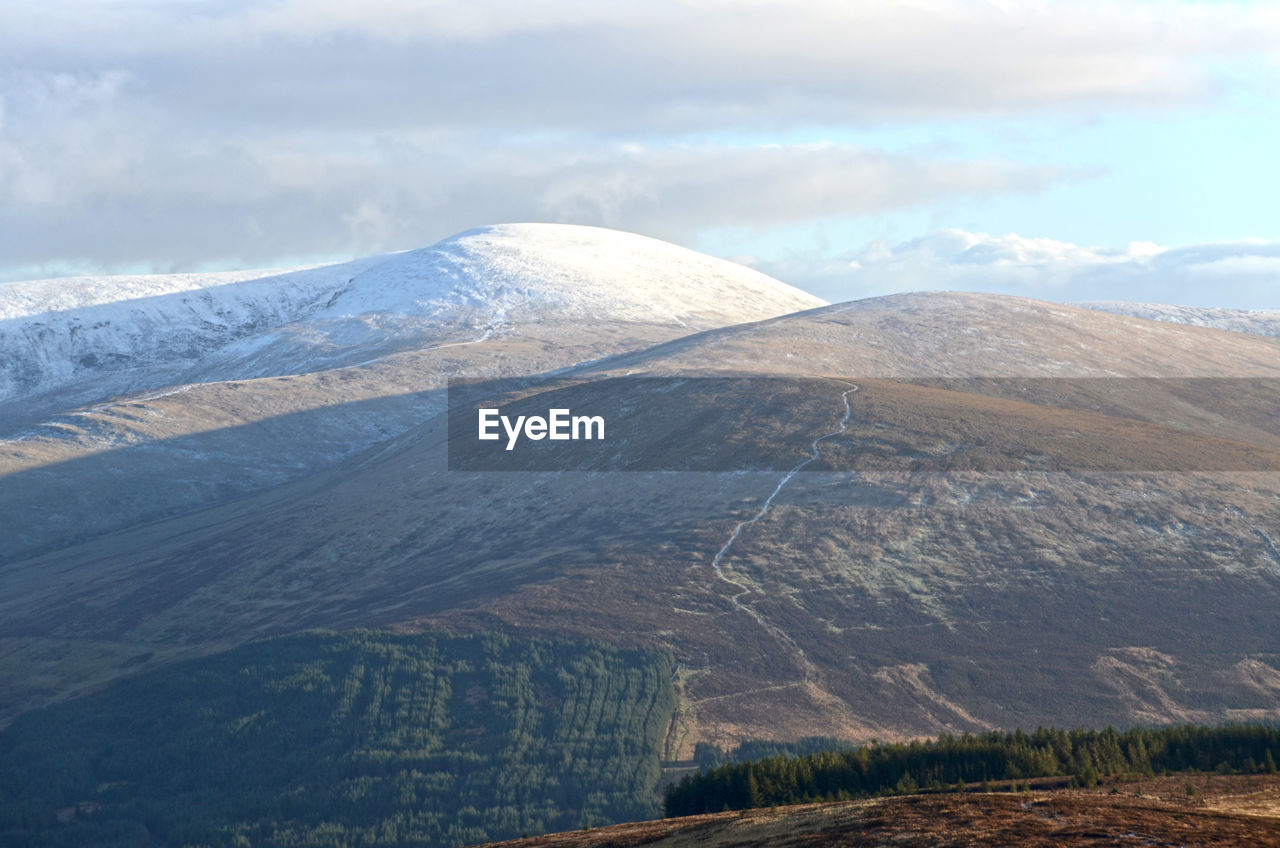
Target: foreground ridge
(1205, 810)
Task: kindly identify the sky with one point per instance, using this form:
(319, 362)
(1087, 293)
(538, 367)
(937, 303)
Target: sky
(1069, 151)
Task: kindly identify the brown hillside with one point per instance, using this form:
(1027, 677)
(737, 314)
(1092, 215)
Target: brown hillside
(1226, 811)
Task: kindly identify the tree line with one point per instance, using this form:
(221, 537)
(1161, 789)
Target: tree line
(1084, 756)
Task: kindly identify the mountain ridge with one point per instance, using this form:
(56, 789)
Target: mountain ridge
(260, 323)
(1262, 322)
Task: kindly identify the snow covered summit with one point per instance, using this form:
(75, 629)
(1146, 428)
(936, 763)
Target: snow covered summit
(129, 332)
(531, 272)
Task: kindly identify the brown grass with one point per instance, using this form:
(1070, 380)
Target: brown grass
(1155, 812)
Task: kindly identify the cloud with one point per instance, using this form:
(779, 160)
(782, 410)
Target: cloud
(170, 199)
(673, 190)
(204, 132)
(666, 65)
(1236, 274)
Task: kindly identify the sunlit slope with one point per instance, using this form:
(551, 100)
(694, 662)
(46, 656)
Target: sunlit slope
(958, 334)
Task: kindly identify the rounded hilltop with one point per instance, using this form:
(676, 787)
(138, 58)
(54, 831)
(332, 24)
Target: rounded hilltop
(503, 277)
(535, 271)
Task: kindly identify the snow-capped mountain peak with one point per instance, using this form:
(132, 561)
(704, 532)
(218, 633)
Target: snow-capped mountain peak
(132, 332)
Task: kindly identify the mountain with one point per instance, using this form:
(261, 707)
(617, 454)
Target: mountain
(106, 334)
(889, 518)
(143, 397)
(1262, 322)
(886, 519)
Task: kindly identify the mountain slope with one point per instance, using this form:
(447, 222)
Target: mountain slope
(237, 386)
(337, 739)
(957, 334)
(845, 600)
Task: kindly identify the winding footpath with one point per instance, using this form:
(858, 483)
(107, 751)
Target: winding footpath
(744, 588)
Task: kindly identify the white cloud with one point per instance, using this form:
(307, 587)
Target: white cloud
(173, 200)
(213, 131)
(1235, 274)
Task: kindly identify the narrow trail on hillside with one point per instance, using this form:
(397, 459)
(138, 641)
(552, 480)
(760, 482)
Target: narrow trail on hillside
(744, 586)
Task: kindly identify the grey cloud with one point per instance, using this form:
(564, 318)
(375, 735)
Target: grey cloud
(182, 134)
(671, 191)
(614, 67)
(171, 199)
